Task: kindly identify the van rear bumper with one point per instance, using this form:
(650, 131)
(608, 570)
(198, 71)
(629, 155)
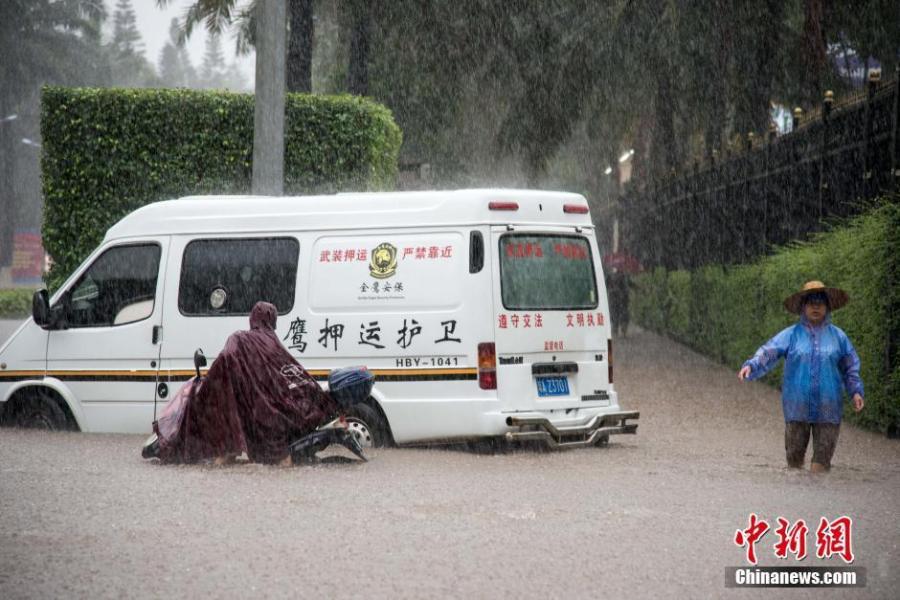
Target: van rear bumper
(539, 428)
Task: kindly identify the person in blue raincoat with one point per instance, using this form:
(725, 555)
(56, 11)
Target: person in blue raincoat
(819, 363)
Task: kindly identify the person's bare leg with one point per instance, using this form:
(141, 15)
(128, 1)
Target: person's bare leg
(825, 437)
(796, 438)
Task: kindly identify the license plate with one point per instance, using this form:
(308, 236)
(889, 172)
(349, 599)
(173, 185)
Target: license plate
(553, 386)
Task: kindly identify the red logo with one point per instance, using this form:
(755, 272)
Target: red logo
(832, 538)
(791, 539)
(748, 537)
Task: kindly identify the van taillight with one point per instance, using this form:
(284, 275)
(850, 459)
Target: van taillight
(579, 209)
(609, 358)
(503, 206)
(487, 366)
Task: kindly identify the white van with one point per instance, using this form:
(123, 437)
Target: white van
(482, 313)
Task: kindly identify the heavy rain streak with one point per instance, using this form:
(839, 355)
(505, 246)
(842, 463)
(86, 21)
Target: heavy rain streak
(418, 298)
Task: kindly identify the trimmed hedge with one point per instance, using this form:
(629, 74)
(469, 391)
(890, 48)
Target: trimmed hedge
(15, 303)
(727, 313)
(107, 152)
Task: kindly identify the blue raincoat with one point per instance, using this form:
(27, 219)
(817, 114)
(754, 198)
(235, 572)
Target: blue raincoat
(818, 362)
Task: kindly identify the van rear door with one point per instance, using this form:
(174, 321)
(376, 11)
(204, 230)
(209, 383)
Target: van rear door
(551, 322)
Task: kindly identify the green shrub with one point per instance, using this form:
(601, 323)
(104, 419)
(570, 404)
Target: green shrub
(648, 303)
(15, 303)
(107, 152)
(678, 287)
(728, 312)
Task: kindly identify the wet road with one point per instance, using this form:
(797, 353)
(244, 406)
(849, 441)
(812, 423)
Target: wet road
(650, 515)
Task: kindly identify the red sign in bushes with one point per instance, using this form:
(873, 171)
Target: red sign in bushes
(28, 257)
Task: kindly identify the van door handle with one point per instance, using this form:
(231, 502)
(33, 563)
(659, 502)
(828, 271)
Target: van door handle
(157, 333)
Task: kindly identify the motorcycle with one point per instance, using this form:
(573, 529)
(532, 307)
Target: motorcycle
(304, 450)
(151, 445)
(348, 386)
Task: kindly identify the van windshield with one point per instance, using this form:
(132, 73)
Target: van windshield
(546, 271)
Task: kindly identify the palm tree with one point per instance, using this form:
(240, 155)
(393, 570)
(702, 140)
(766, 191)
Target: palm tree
(219, 15)
(41, 41)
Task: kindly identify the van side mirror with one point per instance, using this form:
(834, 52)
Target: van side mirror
(40, 308)
(199, 361)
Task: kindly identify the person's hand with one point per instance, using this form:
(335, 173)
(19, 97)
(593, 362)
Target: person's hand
(858, 402)
(744, 373)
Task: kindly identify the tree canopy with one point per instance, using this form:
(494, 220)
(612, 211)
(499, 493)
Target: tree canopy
(673, 78)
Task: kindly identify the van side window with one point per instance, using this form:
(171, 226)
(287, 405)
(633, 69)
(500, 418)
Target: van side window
(476, 252)
(118, 288)
(229, 276)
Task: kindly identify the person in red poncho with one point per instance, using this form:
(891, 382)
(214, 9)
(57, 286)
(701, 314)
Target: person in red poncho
(256, 398)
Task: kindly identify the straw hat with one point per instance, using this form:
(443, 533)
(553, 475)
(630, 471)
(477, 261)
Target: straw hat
(836, 296)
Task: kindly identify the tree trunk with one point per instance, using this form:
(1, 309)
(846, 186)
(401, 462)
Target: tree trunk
(763, 47)
(268, 122)
(722, 45)
(814, 52)
(358, 70)
(300, 46)
(664, 143)
(7, 201)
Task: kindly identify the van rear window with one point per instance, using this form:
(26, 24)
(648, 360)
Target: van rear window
(229, 276)
(544, 271)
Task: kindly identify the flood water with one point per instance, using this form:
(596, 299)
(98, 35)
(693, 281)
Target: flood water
(82, 515)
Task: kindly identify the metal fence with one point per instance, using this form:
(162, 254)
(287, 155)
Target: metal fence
(775, 190)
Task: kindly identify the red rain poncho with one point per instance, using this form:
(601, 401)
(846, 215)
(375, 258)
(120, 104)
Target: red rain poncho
(256, 398)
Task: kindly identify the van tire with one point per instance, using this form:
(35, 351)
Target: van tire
(39, 409)
(371, 424)
(602, 442)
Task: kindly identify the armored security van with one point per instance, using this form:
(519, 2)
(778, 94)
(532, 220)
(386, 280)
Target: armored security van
(482, 313)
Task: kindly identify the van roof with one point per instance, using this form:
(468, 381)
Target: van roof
(233, 214)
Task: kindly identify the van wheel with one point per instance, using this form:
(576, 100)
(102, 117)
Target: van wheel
(368, 426)
(40, 411)
(602, 442)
